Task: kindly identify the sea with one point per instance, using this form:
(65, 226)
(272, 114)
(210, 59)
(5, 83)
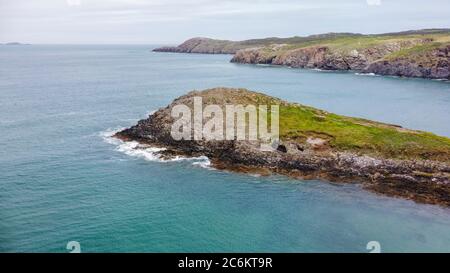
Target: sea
(64, 179)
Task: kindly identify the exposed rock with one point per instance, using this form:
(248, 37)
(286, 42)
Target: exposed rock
(203, 45)
(433, 64)
(253, 56)
(428, 57)
(420, 180)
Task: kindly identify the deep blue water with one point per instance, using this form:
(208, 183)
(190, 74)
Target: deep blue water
(61, 179)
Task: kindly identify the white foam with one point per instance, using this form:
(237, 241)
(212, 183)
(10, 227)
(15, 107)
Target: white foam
(366, 74)
(441, 80)
(266, 65)
(323, 70)
(203, 162)
(151, 113)
(133, 148)
(147, 152)
(107, 136)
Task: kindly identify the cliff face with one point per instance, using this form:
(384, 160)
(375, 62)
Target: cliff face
(418, 168)
(325, 57)
(203, 45)
(213, 46)
(433, 63)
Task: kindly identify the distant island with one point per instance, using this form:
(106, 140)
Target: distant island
(315, 144)
(417, 53)
(14, 44)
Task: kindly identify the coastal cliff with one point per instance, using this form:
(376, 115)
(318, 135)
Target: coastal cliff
(423, 53)
(422, 57)
(429, 61)
(315, 144)
(213, 46)
(204, 46)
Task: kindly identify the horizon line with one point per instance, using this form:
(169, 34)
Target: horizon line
(442, 29)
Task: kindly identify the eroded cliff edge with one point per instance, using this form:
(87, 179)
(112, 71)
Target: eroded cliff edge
(422, 53)
(316, 144)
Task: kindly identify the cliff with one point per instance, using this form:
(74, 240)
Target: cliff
(425, 61)
(314, 144)
(203, 45)
(423, 53)
(214, 46)
(424, 56)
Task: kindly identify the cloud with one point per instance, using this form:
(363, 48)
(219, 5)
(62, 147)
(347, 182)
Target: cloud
(373, 2)
(174, 20)
(139, 11)
(73, 2)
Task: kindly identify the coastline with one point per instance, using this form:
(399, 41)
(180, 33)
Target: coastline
(415, 54)
(422, 180)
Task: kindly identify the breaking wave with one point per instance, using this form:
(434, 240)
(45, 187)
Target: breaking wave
(148, 152)
(365, 74)
(323, 70)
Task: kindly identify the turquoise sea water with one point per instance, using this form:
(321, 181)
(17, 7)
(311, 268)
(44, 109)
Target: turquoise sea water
(63, 179)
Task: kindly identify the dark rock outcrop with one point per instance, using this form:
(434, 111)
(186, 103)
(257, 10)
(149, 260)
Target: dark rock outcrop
(421, 53)
(421, 180)
(432, 64)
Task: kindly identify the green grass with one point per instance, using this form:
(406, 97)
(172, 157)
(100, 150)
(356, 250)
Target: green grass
(361, 136)
(346, 43)
(298, 122)
(414, 52)
(336, 41)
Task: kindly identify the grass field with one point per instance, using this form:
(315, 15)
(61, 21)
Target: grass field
(299, 122)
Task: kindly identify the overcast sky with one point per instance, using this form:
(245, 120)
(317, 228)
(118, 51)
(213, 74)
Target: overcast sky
(173, 21)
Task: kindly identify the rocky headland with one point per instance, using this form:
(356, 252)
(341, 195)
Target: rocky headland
(315, 144)
(422, 53)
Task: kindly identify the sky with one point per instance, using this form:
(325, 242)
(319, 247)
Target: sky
(173, 21)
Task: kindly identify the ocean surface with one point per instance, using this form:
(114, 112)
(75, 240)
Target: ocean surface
(62, 178)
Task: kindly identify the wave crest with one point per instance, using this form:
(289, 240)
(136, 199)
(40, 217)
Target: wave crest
(148, 152)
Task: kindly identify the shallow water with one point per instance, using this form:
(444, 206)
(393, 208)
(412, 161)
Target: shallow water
(63, 179)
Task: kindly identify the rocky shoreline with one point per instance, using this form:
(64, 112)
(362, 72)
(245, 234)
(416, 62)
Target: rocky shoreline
(420, 54)
(424, 179)
(434, 65)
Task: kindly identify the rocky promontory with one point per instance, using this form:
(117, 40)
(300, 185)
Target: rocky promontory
(422, 53)
(204, 46)
(315, 144)
(214, 46)
(432, 62)
(415, 57)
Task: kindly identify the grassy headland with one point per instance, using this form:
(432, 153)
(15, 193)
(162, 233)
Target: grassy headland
(298, 122)
(421, 53)
(315, 144)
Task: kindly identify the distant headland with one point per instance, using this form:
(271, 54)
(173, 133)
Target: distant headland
(14, 44)
(416, 53)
